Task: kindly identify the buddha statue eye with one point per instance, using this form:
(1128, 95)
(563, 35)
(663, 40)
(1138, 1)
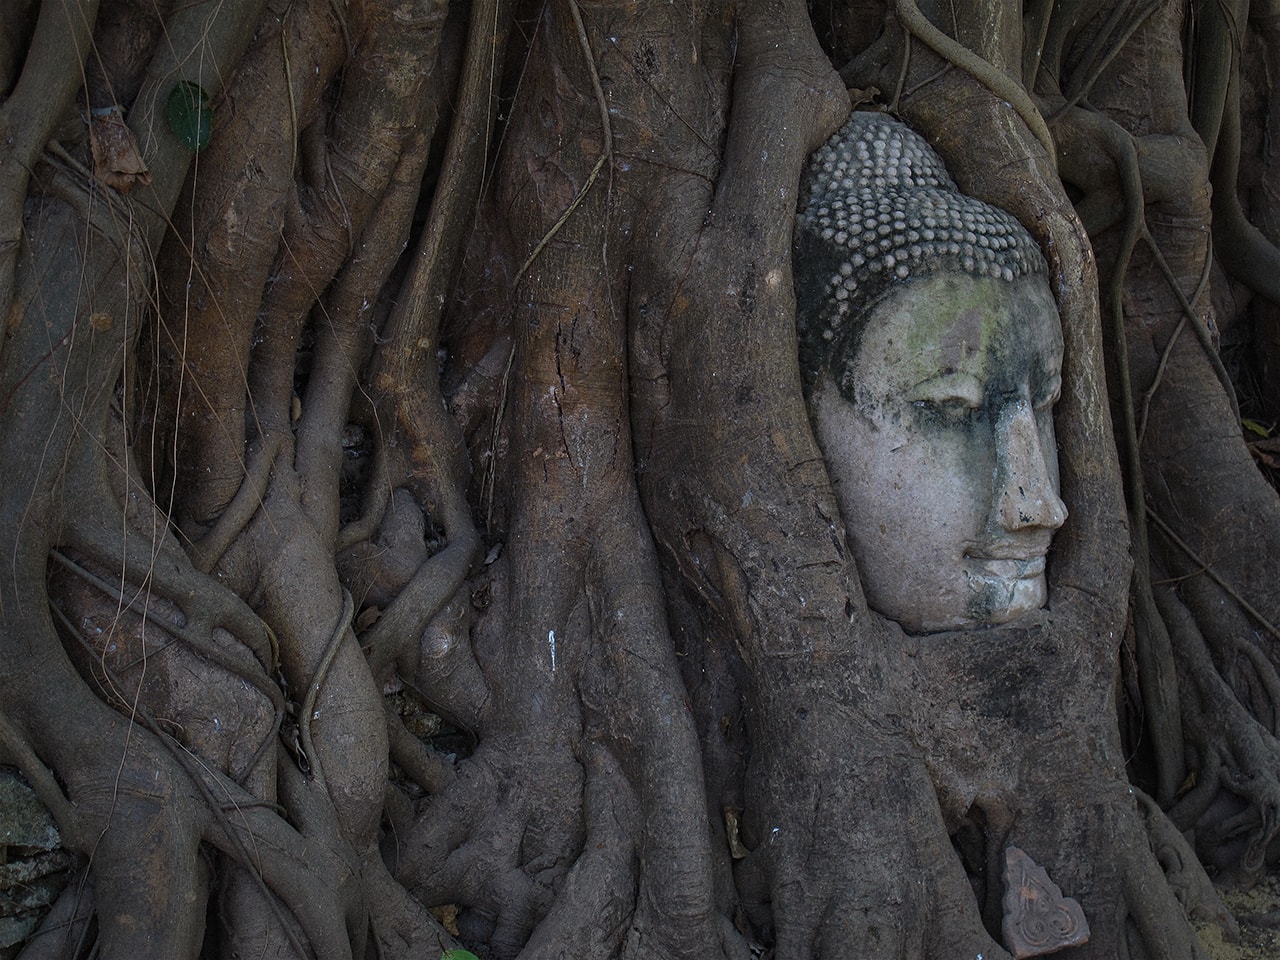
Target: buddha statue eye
(952, 398)
(950, 410)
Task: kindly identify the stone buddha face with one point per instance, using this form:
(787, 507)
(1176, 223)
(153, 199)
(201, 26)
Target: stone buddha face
(932, 355)
(941, 448)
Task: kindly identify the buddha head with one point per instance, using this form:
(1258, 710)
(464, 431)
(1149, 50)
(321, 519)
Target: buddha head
(932, 354)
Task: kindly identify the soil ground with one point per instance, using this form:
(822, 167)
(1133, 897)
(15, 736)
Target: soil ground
(1258, 913)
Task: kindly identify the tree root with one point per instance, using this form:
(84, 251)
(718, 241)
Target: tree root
(994, 80)
(494, 843)
(1233, 754)
(1183, 871)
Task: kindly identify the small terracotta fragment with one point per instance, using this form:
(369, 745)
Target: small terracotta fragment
(117, 161)
(1038, 919)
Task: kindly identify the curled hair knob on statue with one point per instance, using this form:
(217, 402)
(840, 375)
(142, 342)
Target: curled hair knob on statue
(878, 209)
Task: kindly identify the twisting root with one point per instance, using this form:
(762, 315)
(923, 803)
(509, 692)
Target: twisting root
(197, 771)
(194, 639)
(317, 679)
(206, 552)
(1002, 86)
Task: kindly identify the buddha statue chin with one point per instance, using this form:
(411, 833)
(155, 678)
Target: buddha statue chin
(932, 367)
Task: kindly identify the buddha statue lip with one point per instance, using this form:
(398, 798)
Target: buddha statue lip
(1011, 568)
(1022, 551)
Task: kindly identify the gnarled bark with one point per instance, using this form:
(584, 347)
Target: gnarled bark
(460, 365)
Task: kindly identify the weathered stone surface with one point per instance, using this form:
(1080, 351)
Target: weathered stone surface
(24, 822)
(1038, 919)
(32, 864)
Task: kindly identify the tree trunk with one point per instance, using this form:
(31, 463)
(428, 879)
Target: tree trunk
(420, 540)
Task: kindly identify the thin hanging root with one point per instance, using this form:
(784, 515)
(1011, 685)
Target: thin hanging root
(916, 23)
(317, 679)
(1208, 570)
(902, 73)
(564, 217)
(491, 466)
(1091, 67)
(1168, 347)
(1202, 332)
(606, 154)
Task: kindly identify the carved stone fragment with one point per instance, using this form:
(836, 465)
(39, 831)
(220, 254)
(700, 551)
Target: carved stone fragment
(1038, 919)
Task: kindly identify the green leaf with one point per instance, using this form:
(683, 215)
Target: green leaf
(190, 114)
(1256, 427)
(458, 955)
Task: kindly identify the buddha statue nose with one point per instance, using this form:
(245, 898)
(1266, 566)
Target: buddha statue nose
(1026, 486)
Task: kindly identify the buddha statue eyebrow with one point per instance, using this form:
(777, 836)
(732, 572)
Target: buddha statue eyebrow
(878, 209)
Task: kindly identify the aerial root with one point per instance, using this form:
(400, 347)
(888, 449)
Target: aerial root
(437, 580)
(1010, 91)
(419, 762)
(1183, 871)
(167, 572)
(1236, 753)
(208, 550)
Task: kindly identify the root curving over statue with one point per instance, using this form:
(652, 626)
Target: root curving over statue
(636, 480)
